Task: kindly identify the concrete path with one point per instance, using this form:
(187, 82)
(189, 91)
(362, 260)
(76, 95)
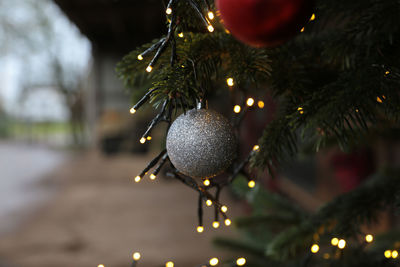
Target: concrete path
(100, 217)
(22, 166)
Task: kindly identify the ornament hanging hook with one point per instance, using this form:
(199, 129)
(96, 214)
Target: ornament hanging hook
(202, 102)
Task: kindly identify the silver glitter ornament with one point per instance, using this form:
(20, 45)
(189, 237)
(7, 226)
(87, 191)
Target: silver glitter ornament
(201, 143)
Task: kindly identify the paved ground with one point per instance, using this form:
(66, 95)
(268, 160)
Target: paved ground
(98, 216)
(21, 167)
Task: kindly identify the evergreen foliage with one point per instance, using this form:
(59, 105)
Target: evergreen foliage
(279, 232)
(338, 80)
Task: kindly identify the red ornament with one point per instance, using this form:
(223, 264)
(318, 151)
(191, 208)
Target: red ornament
(262, 23)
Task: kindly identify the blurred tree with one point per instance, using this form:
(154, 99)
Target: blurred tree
(3, 121)
(52, 49)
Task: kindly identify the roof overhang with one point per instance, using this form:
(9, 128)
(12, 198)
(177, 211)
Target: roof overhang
(116, 25)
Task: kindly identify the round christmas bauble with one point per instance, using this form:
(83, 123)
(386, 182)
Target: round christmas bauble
(262, 23)
(201, 143)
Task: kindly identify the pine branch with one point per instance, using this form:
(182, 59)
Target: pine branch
(343, 216)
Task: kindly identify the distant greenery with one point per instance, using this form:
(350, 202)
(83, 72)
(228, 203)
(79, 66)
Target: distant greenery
(3, 126)
(22, 129)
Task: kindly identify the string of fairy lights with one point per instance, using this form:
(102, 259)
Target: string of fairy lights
(171, 18)
(315, 248)
(341, 244)
(214, 261)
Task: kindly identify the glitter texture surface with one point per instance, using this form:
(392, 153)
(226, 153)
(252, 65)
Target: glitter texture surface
(201, 144)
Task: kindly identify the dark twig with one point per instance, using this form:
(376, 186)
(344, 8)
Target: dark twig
(143, 100)
(164, 5)
(134, 263)
(190, 182)
(245, 174)
(216, 210)
(167, 117)
(207, 4)
(173, 51)
(171, 4)
(153, 163)
(238, 120)
(239, 167)
(161, 164)
(161, 45)
(153, 47)
(156, 119)
(306, 260)
(199, 13)
(200, 210)
(171, 29)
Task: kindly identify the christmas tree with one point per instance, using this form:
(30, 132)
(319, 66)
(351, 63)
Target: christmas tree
(334, 84)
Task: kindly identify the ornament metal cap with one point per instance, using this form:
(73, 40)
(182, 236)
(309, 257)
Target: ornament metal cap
(202, 104)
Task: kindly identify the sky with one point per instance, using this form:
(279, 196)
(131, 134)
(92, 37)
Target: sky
(31, 33)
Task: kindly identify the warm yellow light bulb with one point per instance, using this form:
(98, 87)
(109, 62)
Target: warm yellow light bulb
(312, 17)
(314, 248)
(140, 57)
(228, 222)
(369, 238)
(100, 265)
(148, 138)
(240, 261)
(132, 111)
(136, 256)
(215, 224)
(334, 241)
(230, 82)
(137, 179)
(142, 140)
(251, 184)
(149, 68)
(302, 29)
(211, 15)
(256, 148)
(169, 264)
(180, 35)
(214, 261)
(208, 202)
(388, 254)
(395, 254)
(342, 244)
(210, 28)
(260, 104)
(237, 109)
(387, 72)
(224, 209)
(168, 11)
(152, 177)
(250, 102)
(206, 182)
(200, 229)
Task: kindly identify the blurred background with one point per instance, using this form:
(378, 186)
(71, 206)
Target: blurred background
(69, 147)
